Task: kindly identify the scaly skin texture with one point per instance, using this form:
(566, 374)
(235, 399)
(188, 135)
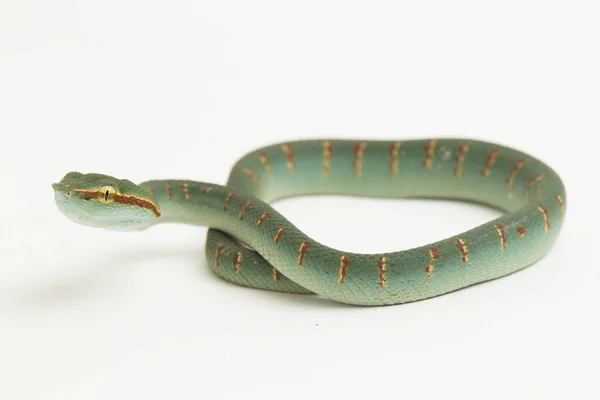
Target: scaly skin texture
(252, 244)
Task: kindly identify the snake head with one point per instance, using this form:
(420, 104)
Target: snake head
(105, 202)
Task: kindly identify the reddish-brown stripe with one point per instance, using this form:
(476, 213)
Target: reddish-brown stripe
(531, 183)
(382, 266)
(464, 249)
(358, 150)
(123, 199)
(344, 262)
(205, 190)
(394, 150)
(326, 157)
(237, 260)
(460, 158)
(561, 205)
(501, 233)
(433, 253)
(218, 252)
(544, 212)
(513, 173)
(137, 201)
(490, 161)
(184, 190)
(244, 209)
(276, 275)
(302, 251)
(253, 178)
(521, 231)
(429, 152)
(265, 162)
(277, 237)
(262, 219)
(169, 191)
(88, 194)
(289, 155)
(228, 199)
(429, 270)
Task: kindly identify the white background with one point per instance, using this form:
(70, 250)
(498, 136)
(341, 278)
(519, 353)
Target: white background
(145, 89)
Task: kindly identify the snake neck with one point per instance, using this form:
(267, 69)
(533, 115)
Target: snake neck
(198, 203)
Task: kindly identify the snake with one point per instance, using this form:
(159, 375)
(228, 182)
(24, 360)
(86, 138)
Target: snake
(249, 243)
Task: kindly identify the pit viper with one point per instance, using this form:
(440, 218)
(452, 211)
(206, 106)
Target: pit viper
(250, 243)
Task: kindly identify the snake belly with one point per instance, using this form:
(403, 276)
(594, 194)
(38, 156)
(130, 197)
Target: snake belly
(251, 244)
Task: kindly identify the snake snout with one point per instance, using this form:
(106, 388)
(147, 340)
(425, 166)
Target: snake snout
(62, 189)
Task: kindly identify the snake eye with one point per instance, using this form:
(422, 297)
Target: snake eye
(106, 194)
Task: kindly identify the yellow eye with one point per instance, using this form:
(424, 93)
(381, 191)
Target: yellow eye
(106, 194)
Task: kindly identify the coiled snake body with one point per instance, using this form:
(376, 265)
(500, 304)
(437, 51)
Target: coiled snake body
(251, 244)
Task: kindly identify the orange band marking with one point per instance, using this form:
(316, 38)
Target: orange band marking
(344, 262)
(358, 150)
(460, 158)
(490, 161)
(429, 152)
(433, 253)
(544, 212)
(244, 209)
(265, 162)
(464, 249)
(394, 150)
(561, 205)
(326, 157)
(501, 233)
(262, 219)
(218, 252)
(276, 275)
(302, 251)
(521, 231)
(228, 199)
(237, 260)
(277, 237)
(184, 190)
(169, 191)
(289, 155)
(513, 173)
(531, 183)
(253, 178)
(382, 266)
(429, 270)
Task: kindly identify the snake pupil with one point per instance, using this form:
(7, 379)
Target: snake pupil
(106, 196)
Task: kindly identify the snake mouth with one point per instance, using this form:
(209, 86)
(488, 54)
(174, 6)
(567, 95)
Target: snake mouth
(59, 196)
(64, 202)
(68, 208)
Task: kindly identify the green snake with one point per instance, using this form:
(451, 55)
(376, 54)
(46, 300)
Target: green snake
(249, 243)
